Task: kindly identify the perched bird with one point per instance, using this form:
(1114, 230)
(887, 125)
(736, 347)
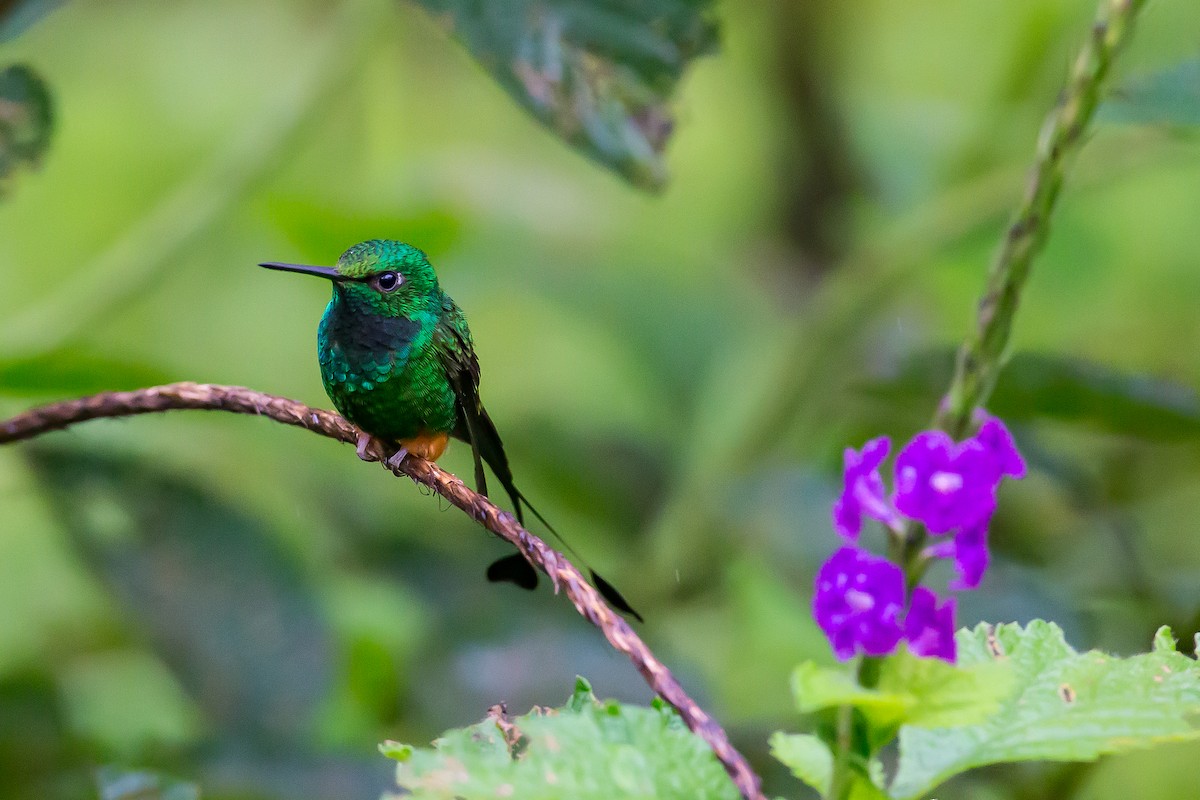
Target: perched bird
(397, 360)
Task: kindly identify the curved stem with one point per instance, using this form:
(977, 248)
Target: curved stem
(563, 575)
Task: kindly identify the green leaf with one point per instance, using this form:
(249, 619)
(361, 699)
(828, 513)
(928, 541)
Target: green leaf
(1064, 706)
(946, 694)
(1170, 96)
(817, 688)
(585, 750)
(809, 760)
(806, 756)
(599, 74)
(36, 749)
(862, 789)
(583, 696)
(26, 120)
(911, 690)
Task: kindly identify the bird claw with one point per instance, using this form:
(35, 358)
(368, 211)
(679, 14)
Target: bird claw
(397, 458)
(363, 440)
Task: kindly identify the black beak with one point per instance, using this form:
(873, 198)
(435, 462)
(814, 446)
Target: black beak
(324, 272)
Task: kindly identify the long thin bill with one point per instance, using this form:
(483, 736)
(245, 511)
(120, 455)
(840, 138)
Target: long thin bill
(322, 272)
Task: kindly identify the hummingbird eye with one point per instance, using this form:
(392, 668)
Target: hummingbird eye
(388, 281)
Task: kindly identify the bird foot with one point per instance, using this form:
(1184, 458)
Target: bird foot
(397, 458)
(363, 440)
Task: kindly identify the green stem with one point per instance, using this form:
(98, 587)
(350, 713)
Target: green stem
(840, 783)
(984, 352)
(868, 671)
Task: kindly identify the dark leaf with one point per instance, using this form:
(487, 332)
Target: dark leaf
(224, 605)
(1036, 386)
(1170, 97)
(26, 120)
(600, 74)
(118, 784)
(38, 758)
(17, 15)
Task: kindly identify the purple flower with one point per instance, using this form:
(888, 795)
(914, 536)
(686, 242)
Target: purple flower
(946, 485)
(858, 601)
(929, 628)
(996, 439)
(950, 488)
(863, 491)
(969, 550)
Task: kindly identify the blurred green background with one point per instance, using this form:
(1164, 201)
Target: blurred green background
(675, 375)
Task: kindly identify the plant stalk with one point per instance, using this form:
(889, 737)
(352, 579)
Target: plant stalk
(986, 348)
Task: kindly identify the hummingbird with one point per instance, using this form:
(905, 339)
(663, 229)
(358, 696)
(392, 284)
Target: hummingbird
(397, 360)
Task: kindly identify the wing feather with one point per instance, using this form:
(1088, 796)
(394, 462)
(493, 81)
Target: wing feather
(456, 351)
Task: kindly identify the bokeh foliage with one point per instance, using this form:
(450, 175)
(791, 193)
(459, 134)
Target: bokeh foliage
(26, 120)
(675, 376)
(600, 74)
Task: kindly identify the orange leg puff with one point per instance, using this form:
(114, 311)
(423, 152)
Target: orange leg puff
(428, 446)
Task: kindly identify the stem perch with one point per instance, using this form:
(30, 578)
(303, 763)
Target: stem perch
(561, 572)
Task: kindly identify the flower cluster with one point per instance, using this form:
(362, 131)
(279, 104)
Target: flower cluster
(950, 488)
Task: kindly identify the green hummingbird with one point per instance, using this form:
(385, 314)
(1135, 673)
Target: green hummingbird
(398, 361)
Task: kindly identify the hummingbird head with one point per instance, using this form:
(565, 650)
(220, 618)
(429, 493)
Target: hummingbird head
(380, 276)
